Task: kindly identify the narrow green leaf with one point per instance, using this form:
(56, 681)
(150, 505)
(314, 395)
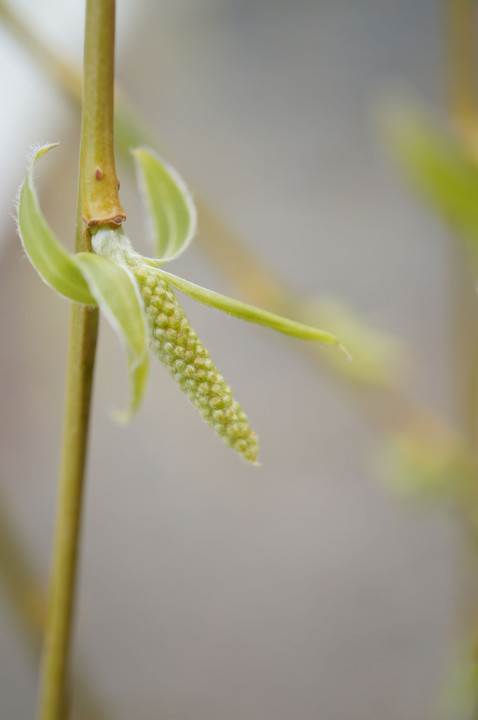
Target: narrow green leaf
(249, 312)
(116, 293)
(169, 203)
(47, 256)
(438, 167)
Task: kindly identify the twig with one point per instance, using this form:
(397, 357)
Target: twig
(97, 202)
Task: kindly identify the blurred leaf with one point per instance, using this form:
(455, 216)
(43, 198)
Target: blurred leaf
(377, 358)
(170, 205)
(458, 696)
(424, 463)
(116, 293)
(439, 167)
(47, 256)
(250, 313)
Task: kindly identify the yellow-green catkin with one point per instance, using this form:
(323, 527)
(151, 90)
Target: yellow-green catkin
(180, 350)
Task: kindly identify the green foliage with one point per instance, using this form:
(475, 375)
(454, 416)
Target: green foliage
(251, 313)
(440, 168)
(170, 206)
(46, 254)
(135, 294)
(116, 292)
(419, 467)
(428, 464)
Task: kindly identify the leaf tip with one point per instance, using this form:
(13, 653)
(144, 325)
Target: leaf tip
(123, 417)
(39, 150)
(344, 350)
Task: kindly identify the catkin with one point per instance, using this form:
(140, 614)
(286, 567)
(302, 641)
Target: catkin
(180, 350)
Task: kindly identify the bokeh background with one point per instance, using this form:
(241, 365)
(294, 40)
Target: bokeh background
(209, 589)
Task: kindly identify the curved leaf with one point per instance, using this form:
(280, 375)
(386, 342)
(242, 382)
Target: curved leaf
(250, 313)
(47, 256)
(117, 295)
(170, 205)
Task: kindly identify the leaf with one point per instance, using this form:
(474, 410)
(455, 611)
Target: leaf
(170, 205)
(47, 256)
(116, 293)
(249, 312)
(439, 168)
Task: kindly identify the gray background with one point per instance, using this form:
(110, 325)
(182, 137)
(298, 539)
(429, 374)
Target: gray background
(210, 589)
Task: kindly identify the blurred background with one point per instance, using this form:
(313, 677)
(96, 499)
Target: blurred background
(209, 589)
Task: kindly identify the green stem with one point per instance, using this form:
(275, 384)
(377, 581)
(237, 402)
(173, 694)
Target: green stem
(98, 180)
(100, 194)
(57, 640)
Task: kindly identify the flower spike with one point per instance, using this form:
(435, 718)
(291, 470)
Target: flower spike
(186, 359)
(176, 344)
